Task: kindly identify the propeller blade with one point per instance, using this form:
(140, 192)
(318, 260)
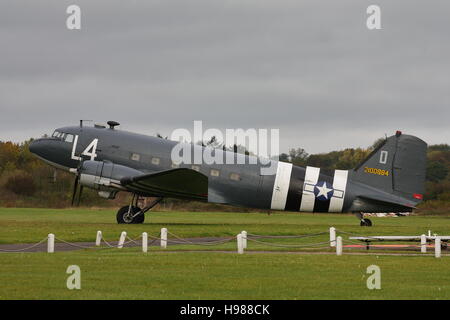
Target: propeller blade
(79, 195)
(75, 187)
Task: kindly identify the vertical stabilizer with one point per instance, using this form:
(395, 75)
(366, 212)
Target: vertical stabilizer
(397, 166)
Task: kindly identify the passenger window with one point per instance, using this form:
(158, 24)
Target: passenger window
(69, 138)
(55, 134)
(214, 173)
(155, 161)
(235, 177)
(135, 157)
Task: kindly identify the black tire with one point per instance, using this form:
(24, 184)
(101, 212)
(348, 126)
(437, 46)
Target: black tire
(366, 223)
(122, 215)
(140, 218)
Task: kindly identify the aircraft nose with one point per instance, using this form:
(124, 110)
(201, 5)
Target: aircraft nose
(36, 147)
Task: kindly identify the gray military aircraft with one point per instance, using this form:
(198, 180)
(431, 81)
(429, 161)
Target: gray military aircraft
(108, 160)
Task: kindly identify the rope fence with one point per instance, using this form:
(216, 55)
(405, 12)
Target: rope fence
(23, 249)
(290, 245)
(203, 243)
(335, 242)
(287, 237)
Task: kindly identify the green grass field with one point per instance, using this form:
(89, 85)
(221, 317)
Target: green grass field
(131, 274)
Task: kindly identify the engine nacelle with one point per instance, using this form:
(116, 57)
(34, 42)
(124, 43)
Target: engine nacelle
(104, 175)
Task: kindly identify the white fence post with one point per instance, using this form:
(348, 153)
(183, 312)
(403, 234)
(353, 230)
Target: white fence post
(240, 246)
(244, 239)
(332, 237)
(423, 243)
(437, 247)
(51, 243)
(164, 238)
(98, 240)
(339, 246)
(123, 235)
(144, 241)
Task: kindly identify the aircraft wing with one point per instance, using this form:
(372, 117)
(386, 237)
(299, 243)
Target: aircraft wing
(179, 183)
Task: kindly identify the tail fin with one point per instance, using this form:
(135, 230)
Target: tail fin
(396, 166)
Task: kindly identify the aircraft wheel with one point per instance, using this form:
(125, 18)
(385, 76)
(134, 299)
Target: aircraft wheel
(366, 223)
(140, 218)
(124, 217)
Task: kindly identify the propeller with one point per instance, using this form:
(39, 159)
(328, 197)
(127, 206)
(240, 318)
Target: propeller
(76, 189)
(79, 195)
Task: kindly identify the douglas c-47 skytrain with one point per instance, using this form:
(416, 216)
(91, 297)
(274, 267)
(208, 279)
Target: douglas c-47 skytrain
(391, 179)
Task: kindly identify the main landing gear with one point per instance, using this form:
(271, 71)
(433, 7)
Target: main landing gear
(133, 214)
(364, 221)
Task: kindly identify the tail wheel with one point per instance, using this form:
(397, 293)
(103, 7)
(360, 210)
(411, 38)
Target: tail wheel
(128, 215)
(366, 223)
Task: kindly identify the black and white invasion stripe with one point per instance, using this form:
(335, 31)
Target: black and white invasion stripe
(295, 189)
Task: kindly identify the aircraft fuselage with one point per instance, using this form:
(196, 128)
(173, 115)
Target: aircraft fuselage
(290, 188)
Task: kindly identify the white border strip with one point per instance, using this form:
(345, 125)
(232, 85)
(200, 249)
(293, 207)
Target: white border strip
(281, 186)
(339, 185)
(308, 197)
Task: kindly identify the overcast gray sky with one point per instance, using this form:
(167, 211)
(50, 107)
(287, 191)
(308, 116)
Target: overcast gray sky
(310, 68)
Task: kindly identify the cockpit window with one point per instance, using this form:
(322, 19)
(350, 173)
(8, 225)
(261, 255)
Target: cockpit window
(69, 138)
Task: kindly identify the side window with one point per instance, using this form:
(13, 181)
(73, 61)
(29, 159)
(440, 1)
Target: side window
(214, 173)
(235, 177)
(156, 161)
(55, 134)
(135, 157)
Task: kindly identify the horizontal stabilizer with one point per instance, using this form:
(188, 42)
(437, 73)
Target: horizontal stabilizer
(397, 201)
(381, 203)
